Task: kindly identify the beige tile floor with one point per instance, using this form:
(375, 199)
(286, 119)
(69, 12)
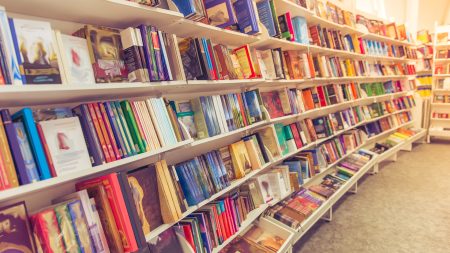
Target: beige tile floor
(405, 208)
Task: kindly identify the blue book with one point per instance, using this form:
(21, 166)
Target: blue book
(245, 15)
(15, 43)
(30, 174)
(115, 130)
(26, 116)
(186, 7)
(223, 171)
(300, 30)
(252, 104)
(295, 166)
(185, 185)
(194, 167)
(200, 217)
(220, 13)
(266, 17)
(209, 163)
(9, 49)
(80, 227)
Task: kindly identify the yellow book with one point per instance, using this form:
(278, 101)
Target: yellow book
(240, 159)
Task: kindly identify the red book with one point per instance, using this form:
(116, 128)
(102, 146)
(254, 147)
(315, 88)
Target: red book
(51, 165)
(189, 236)
(213, 60)
(243, 55)
(112, 187)
(222, 62)
(46, 228)
(104, 132)
(231, 216)
(229, 219)
(296, 134)
(110, 132)
(290, 26)
(241, 105)
(322, 98)
(99, 133)
(219, 228)
(361, 46)
(223, 220)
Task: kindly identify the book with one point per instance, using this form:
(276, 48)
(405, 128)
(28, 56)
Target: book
(245, 16)
(165, 242)
(46, 228)
(240, 158)
(220, 13)
(75, 59)
(80, 227)
(68, 151)
(35, 51)
(137, 70)
(17, 236)
(12, 72)
(105, 53)
(266, 17)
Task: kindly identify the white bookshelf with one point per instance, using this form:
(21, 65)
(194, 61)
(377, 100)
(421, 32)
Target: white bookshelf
(121, 14)
(439, 127)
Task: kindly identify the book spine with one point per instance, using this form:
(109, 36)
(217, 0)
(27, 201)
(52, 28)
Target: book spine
(19, 77)
(92, 141)
(5, 153)
(48, 155)
(99, 134)
(131, 122)
(157, 53)
(114, 142)
(11, 60)
(105, 134)
(27, 116)
(116, 129)
(126, 132)
(166, 64)
(139, 124)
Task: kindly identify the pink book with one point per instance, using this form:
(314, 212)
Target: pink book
(290, 26)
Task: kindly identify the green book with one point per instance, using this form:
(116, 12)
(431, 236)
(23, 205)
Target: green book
(279, 129)
(132, 125)
(67, 231)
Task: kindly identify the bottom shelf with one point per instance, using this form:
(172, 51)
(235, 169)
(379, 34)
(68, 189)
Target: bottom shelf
(439, 133)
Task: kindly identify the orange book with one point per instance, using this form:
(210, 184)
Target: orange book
(99, 133)
(110, 132)
(311, 66)
(102, 125)
(5, 154)
(245, 60)
(307, 99)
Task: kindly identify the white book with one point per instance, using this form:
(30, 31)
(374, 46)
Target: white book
(221, 113)
(77, 67)
(267, 59)
(66, 145)
(59, 53)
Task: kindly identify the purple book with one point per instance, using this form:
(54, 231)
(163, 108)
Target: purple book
(16, 235)
(148, 53)
(19, 162)
(158, 56)
(92, 142)
(220, 13)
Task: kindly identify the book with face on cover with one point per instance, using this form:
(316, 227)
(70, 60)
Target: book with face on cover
(16, 233)
(35, 51)
(75, 59)
(68, 151)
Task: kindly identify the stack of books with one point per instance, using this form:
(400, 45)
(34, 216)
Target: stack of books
(352, 164)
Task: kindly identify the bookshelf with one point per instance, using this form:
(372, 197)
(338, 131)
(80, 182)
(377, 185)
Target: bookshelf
(123, 14)
(439, 127)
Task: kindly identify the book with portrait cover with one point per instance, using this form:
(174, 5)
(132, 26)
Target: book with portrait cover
(68, 151)
(105, 48)
(16, 235)
(33, 43)
(75, 59)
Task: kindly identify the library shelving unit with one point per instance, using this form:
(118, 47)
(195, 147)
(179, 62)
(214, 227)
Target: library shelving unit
(440, 127)
(67, 16)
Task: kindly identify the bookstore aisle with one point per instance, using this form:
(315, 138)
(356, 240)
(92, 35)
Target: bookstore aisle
(398, 210)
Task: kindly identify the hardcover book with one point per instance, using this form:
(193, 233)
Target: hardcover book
(35, 51)
(16, 233)
(220, 13)
(105, 52)
(165, 242)
(30, 173)
(68, 151)
(245, 15)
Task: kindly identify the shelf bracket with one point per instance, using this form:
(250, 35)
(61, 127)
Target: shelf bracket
(328, 216)
(374, 169)
(354, 189)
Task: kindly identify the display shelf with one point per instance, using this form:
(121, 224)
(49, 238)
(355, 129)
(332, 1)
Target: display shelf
(372, 36)
(440, 119)
(187, 28)
(271, 42)
(438, 133)
(111, 13)
(441, 90)
(424, 72)
(440, 104)
(251, 217)
(446, 60)
(133, 161)
(439, 76)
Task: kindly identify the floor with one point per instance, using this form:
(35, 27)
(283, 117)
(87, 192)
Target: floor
(405, 208)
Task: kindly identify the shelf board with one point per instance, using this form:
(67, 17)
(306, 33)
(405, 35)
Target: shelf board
(442, 46)
(377, 37)
(133, 161)
(440, 104)
(424, 72)
(111, 13)
(271, 42)
(440, 119)
(441, 75)
(438, 133)
(185, 28)
(446, 60)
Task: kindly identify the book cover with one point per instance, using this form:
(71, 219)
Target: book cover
(10, 57)
(6, 156)
(47, 231)
(190, 59)
(240, 159)
(144, 188)
(245, 15)
(75, 58)
(67, 230)
(80, 227)
(245, 61)
(16, 235)
(165, 242)
(272, 103)
(68, 151)
(220, 13)
(105, 53)
(30, 173)
(136, 67)
(266, 17)
(38, 61)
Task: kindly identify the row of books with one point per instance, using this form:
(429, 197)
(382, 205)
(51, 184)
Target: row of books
(440, 115)
(443, 54)
(302, 204)
(378, 48)
(444, 98)
(393, 140)
(441, 68)
(45, 143)
(207, 116)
